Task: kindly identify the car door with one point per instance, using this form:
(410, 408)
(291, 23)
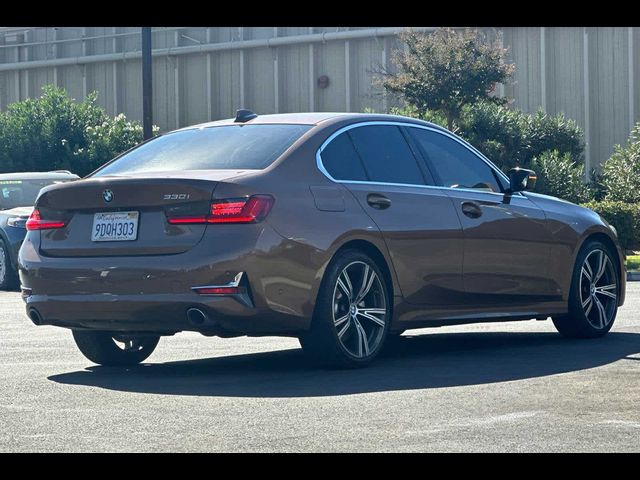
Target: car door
(506, 237)
(417, 220)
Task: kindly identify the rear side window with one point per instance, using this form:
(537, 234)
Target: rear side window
(386, 155)
(210, 148)
(456, 165)
(341, 160)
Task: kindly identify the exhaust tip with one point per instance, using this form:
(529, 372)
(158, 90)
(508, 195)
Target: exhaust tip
(35, 316)
(196, 316)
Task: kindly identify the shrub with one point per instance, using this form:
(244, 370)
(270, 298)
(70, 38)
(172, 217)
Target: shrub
(633, 263)
(446, 70)
(546, 132)
(560, 176)
(511, 137)
(621, 172)
(54, 132)
(496, 131)
(625, 217)
(108, 139)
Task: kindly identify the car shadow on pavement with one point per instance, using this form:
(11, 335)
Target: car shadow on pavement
(409, 362)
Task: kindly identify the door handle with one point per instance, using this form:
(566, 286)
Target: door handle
(471, 209)
(378, 201)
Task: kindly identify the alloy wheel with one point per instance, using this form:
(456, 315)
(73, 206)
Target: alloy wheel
(359, 309)
(128, 344)
(598, 289)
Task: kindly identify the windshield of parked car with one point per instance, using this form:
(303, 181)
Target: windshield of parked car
(209, 148)
(21, 193)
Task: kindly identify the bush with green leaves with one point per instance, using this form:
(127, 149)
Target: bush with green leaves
(625, 217)
(510, 137)
(54, 132)
(544, 132)
(560, 176)
(495, 130)
(621, 172)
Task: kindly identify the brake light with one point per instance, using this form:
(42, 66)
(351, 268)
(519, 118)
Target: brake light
(36, 223)
(233, 210)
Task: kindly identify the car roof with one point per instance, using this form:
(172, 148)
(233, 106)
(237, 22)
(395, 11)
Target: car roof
(56, 175)
(313, 118)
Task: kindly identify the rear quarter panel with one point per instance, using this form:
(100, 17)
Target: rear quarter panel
(312, 227)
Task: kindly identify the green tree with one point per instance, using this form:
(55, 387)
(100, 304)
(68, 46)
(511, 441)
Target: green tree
(446, 70)
(510, 137)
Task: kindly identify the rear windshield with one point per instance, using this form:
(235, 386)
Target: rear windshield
(21, 193)
(210, 148)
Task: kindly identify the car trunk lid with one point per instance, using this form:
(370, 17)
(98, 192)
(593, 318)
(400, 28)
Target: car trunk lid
(149, 198)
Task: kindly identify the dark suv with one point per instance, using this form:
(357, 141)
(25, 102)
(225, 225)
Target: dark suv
(18, 192)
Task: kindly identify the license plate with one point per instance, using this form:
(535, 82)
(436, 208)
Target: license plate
(115, 226)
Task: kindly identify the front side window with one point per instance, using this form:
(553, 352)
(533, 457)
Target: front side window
(454, 164)
(210, 148)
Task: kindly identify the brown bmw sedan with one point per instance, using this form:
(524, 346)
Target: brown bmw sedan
(339, 229)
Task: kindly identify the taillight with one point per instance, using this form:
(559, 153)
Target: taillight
(36, 223)
(232, 210)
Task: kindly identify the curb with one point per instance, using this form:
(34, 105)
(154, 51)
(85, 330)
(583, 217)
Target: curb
(633, 276)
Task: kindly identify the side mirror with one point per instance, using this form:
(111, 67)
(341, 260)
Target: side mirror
(521, 179)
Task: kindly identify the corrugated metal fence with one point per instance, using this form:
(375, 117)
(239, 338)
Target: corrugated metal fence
(200, 74)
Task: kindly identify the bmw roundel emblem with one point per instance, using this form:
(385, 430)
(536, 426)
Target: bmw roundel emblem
(107, 195)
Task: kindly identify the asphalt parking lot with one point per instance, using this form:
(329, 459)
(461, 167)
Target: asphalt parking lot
(502, 387)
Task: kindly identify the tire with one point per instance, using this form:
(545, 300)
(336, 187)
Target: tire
(8, 274)
(592, 305)
(103, 347)
(348, 328)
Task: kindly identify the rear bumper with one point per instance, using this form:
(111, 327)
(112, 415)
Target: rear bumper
(154, 293)
(159, 313)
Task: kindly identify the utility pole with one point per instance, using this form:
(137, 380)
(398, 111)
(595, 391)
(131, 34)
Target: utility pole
(147, 97)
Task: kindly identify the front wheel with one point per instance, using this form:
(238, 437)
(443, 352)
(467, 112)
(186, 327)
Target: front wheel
(110, 349)
(8, 275)
(593, 299)
(352, 313)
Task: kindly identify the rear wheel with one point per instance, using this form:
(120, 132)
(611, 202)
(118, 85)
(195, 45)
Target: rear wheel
(109, 349)
(352, 313)
(593, 299)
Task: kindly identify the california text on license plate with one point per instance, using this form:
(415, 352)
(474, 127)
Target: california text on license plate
(115, 226)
